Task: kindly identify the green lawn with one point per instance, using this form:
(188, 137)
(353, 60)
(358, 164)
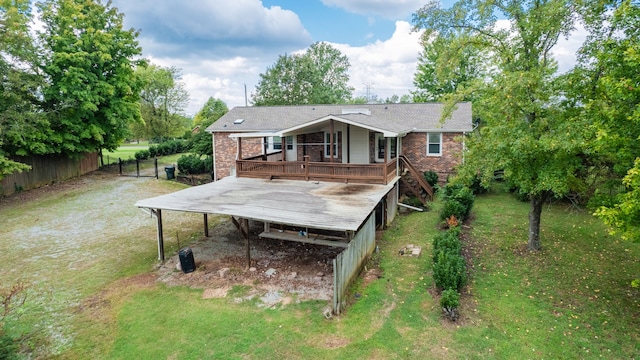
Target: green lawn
(573, 300)
(124, 152)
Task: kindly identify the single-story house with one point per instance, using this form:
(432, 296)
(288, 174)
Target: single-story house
(322, 174)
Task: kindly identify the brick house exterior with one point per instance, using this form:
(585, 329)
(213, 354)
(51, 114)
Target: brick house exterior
(358, 129)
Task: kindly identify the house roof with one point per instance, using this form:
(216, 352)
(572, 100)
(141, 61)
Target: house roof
(388, 118)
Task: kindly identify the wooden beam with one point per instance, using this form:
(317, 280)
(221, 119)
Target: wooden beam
(158, 214)
(245, 223)
(206, 225)
(331, 140)
(313, 239)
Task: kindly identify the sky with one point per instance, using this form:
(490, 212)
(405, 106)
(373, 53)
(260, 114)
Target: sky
(223, 46)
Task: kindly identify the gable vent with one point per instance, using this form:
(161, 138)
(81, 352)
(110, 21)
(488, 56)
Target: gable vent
(356, 111)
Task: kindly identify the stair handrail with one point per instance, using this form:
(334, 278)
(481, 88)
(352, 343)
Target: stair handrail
(416, 175)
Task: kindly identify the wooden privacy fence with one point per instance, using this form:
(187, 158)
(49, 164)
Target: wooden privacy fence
(347, 265)
(47, 170)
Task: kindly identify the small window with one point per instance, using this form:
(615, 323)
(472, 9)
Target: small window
(327, 141)
(277, 143)
(434, 144)
(289, 142)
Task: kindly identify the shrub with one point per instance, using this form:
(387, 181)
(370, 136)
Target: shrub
(431, 177)
(446, 241)
(452, 207)
(8, 347)
(153, 151)
(449, 270)
(192, 164)
(458, 201)
(142, 154)
(449, 301)
(476, 186)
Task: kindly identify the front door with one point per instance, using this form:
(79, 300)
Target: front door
(291, 148)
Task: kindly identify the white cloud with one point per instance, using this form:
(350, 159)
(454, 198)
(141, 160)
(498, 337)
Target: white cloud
(388, 66)
(390, 9)
(212, 27)
(566, 49)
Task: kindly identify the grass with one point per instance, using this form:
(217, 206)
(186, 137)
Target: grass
(124, 152)
(573, 300)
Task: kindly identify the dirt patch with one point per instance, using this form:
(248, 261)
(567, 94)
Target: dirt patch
(342, 190)
(280, 272)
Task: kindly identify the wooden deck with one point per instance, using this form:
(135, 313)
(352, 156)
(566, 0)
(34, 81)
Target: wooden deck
(318, 171)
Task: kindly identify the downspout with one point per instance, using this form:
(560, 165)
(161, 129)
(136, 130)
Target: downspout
(215, 171)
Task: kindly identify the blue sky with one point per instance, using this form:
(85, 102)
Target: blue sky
(223, 46)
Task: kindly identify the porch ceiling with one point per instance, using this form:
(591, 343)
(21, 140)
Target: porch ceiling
(320, 205)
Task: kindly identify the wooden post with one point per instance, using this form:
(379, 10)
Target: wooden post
(245, 225)
(158, 213)
(283, 141)
(331, 140)
(306, 167)
(206, 225)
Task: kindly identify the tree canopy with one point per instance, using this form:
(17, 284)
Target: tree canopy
(201, 143)
(524, 133)
(319, 76)
(163, 99)
(92, 92)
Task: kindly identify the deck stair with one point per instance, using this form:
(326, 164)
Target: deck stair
(415, 181)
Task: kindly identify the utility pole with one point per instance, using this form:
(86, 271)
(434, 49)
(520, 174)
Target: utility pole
(368, 87)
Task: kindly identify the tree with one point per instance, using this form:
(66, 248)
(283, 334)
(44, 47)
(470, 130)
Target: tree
(212, 110)
(447, 65)
(163, 100)
(319, 76)
(605, 91)
(92, 93)
(21, 126)
(525, 133)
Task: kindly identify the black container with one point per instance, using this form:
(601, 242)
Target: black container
(186, 260)
(171, 172)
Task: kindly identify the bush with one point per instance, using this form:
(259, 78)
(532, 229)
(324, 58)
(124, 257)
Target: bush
(153, 151)
(192, 164)
(458, 201)
(449, 270)
(142, 154)
(8, 347)
(448, 241)
(431, 177)
(449, 301)
(476, 186)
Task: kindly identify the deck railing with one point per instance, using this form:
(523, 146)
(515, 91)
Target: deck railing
(318, 171)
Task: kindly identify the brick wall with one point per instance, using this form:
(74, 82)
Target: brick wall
(226, 149)
(414, 147)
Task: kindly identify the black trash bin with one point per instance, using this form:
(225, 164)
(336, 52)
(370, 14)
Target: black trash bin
(171, 172)
(187, 263)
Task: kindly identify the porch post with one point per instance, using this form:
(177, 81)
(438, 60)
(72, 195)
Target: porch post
(158, 213)
(206, 225)
(245, 225)
(331, 140)
(239, 148)
(283, 141)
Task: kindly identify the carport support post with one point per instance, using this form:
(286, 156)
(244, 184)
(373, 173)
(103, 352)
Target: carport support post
(160, 238)
(245, 225)
(206, 225)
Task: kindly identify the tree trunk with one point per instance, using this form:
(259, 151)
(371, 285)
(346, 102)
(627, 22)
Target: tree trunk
(534, 222)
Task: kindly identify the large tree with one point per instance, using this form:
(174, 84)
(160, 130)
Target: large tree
(163, 101)
(211, 111)
(92, 93)
(447, 65)
(22, 128)
(524, 133)
(605, 89)
(318, 76)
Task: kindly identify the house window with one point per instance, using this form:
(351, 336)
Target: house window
(274, 143)
(327, 141)
(392, 148)
(434, 144)
(289, 140)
